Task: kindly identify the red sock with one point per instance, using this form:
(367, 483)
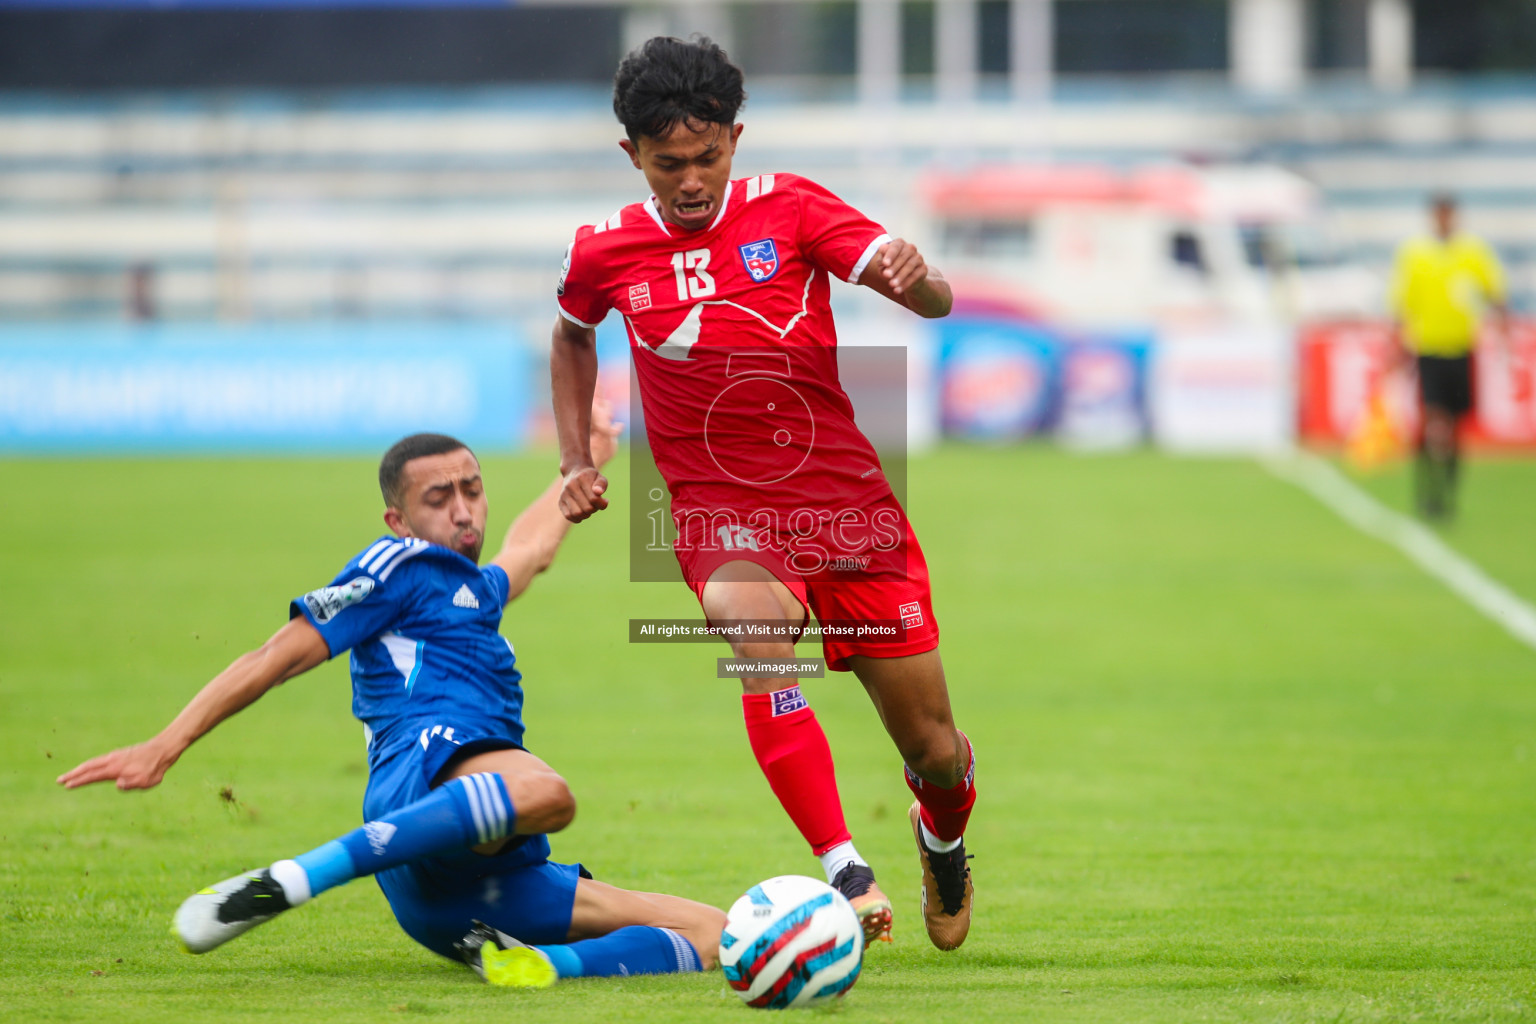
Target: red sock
(945, 811)
(793, 753)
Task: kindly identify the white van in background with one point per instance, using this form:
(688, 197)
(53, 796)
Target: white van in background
(1199, 259)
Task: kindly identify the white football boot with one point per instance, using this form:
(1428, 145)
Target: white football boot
(227, 909)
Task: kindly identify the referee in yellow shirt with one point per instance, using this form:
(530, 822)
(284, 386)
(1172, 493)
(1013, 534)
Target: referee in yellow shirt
(1441, 286)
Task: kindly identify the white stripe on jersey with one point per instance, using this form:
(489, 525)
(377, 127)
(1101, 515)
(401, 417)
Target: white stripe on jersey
(363, 562)
(650, 208)
(413, 548)
(725, 204)
(578, 323)
(869, 254)
(759, 186)
(394, 548)
(405, 653)
(612, 222)
(686, 334)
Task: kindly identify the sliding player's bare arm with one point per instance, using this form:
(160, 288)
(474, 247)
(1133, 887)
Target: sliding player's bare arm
(535, 535)
(298, 647)
(292, 650)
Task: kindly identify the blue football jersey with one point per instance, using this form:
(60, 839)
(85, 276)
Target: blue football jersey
(422, 622)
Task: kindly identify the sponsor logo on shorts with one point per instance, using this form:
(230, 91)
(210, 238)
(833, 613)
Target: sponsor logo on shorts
(639, 297)
(379, 834)
(911, 614)
(327, 602)
(785, 701)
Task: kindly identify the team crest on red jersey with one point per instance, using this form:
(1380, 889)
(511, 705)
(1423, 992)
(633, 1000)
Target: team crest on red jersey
(639, 297)
(761, 259)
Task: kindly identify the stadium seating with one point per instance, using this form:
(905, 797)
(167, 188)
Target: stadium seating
(457, 204)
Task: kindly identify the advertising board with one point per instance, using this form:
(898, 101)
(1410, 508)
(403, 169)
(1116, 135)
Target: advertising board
(268, 387)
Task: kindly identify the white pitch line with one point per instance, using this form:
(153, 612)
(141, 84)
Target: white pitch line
(1325, 483)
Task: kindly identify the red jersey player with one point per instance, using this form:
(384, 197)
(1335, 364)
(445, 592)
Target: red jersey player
(780, 502)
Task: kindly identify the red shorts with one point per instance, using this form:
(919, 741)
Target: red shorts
(882, 592)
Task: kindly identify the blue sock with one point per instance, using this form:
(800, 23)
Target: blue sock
(465, 811)
(638, 949)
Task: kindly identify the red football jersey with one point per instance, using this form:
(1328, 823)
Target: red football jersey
(735, 350)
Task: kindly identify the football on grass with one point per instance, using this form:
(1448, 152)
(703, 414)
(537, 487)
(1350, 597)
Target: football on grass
(790, 942)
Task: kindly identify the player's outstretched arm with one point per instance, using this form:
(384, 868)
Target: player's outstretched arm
(294, 649)
(900, 273)
(573, 380)
(535, 535)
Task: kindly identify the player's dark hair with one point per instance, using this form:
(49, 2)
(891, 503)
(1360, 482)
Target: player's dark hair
(1442, 200)
(392, 466)
(666, 82)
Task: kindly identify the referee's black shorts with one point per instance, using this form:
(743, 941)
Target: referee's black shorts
(1446, 383)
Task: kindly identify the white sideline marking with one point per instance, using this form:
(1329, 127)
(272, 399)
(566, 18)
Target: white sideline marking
(1325, 483)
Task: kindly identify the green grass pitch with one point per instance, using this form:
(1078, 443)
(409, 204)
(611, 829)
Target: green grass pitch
(1236, 762)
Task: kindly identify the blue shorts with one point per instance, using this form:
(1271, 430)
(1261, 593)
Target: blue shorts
(438, 899)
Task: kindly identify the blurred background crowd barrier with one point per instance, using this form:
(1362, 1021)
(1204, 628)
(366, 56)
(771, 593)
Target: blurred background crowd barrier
(322, 223)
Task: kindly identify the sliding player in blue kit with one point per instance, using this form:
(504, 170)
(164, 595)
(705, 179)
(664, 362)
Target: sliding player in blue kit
(457, 810)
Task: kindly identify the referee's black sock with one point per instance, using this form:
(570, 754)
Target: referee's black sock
(1428, 487)
(1452, 476)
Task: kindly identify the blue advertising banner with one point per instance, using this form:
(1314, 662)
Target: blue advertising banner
(1104, 390)
(270, 387)
(998, 379)
(1002, 378)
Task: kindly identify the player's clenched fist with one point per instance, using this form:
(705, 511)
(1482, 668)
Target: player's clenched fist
(899, 271)
(582, 493)
(901, 264)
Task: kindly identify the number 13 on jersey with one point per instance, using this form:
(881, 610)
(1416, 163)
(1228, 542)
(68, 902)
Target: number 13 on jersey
(693, 279)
